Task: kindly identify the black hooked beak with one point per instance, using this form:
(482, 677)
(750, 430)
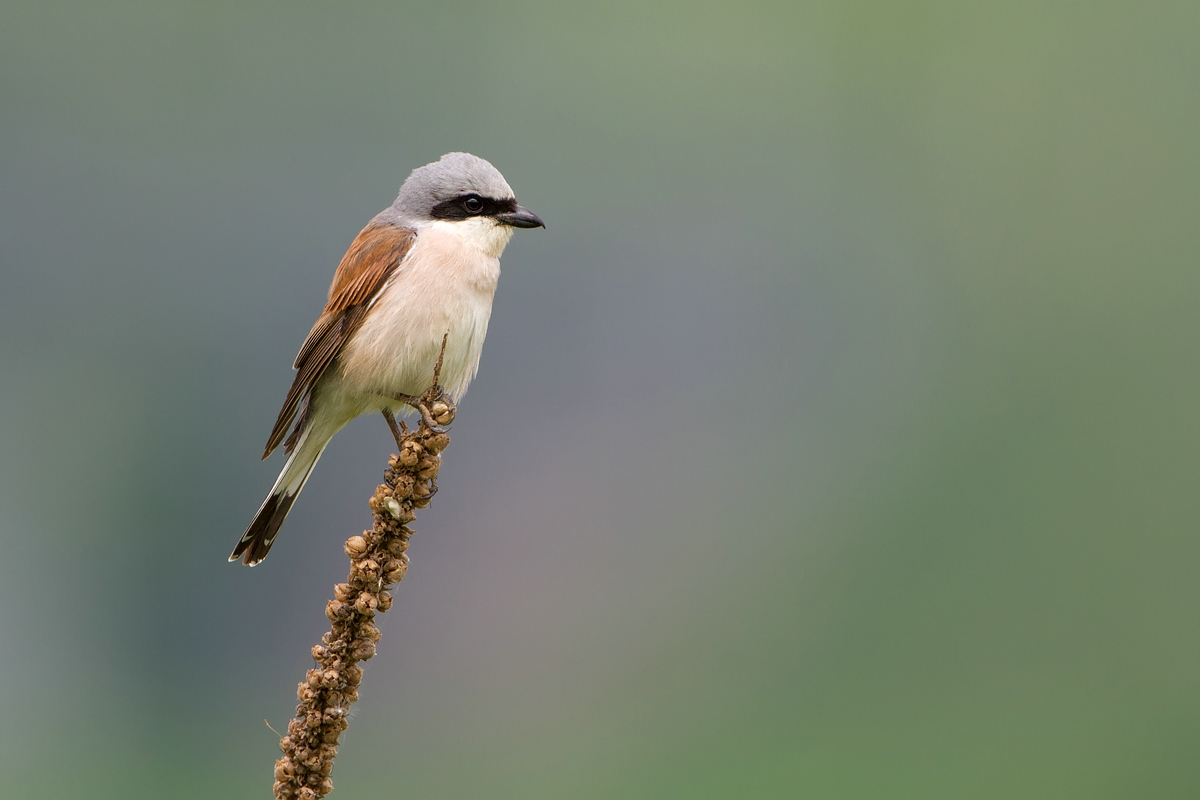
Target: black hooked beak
(521, 218)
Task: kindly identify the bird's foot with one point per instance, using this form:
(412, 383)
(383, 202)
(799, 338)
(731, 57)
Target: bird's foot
(436, 410)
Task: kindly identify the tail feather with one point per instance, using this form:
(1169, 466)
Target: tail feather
(257, 540)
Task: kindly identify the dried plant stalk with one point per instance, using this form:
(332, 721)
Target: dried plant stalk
(377, 561)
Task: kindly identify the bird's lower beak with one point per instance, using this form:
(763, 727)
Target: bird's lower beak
(521, 218)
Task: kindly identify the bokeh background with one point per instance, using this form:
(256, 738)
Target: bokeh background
(838, 439)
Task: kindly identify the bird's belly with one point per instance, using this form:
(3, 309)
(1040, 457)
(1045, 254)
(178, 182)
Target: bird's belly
(443, 290)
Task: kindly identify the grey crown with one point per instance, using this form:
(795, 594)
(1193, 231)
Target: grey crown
(451, 176)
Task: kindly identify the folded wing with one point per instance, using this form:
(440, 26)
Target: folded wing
(375, 255)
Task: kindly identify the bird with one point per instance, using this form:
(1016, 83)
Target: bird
(416, 285)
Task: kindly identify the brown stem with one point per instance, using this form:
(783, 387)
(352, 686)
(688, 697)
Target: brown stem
(377, 561)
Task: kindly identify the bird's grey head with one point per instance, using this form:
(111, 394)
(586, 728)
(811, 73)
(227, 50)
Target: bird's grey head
(461, 186)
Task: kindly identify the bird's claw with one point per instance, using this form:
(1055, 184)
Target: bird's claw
(431, 406)
(427, 418)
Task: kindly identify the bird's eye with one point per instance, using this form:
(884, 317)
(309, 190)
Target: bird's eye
(473, 205)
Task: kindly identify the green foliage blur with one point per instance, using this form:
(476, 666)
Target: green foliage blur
(837, 439)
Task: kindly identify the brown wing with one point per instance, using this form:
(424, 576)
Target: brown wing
(374, 256)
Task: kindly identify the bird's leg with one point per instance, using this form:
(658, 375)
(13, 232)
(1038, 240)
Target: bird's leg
(433, 398)
(398, 431)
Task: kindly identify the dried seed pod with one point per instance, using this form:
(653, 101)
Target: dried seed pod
(366, 603)
(403, 486)
(356, 546)
(437, 442)
(410, 453)
(393, 507)
(385, 598)
(343, 592)
(335, 610)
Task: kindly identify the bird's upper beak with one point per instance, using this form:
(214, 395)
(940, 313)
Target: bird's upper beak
(521, 218)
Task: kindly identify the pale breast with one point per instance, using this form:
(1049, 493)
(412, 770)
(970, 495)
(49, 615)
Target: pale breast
(445, 286)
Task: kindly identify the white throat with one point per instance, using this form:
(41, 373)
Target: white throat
(482, 233)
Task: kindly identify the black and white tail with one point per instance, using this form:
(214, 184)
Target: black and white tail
(257, 540)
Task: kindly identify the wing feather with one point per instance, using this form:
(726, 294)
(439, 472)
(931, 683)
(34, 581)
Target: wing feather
(374, 256)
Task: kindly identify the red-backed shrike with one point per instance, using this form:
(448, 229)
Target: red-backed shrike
(423, 269)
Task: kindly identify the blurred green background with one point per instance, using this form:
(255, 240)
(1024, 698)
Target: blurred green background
(838, 439)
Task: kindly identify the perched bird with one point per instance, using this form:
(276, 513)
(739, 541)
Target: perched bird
(423, 269)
